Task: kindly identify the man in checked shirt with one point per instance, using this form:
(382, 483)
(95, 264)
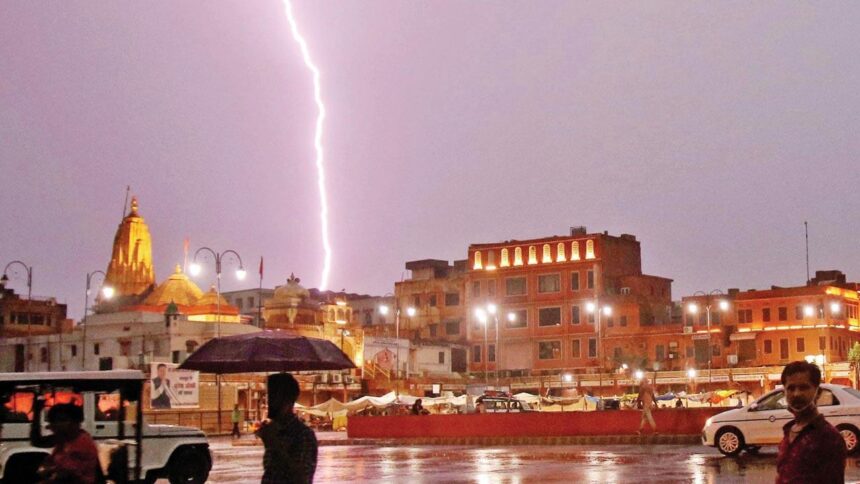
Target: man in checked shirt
(811, 449)
(291, 447)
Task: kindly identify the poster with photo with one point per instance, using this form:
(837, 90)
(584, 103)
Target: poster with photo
(173, 388)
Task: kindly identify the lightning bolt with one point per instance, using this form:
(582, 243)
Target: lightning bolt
(317, 140)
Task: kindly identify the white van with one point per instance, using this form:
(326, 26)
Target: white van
(180, 454)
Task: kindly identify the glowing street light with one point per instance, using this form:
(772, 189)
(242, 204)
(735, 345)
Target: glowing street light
(808, 311)
(107, 293)
(691, 373)
(693, 308)
(639, 374)
(835, 307)
(593, 307)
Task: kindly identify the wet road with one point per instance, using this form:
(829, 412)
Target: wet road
(516, 464)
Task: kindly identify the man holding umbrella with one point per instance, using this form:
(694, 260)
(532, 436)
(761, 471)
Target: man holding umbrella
(291, 447)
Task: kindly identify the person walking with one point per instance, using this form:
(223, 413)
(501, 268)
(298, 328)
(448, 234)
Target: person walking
(811, 450)
(236, 419)
(75, 457)
(646, 400)
(290, 454)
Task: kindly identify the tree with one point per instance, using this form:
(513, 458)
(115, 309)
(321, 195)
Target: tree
(854, 360)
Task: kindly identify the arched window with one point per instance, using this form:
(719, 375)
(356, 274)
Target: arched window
(505, 261)
(331, 316)
(477, 265)
(340, 315)
(589, 249)
(574, 250)
(518, 256)
(491, 260)
(547, 254)
(559, 256)
(532, 255)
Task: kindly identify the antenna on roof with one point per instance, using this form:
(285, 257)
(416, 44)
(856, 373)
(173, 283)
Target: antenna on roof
(125, 204)
(806, 231)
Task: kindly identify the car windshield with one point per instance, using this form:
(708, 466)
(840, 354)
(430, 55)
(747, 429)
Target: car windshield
(776, 400)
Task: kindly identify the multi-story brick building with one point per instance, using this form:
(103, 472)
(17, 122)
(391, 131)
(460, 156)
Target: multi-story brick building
(777, 325)
(546, 291)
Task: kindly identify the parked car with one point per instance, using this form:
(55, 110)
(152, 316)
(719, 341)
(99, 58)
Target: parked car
(502, 404)
(111, 405)
(760, 423)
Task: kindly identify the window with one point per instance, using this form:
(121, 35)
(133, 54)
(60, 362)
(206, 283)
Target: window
(549, 283)
(765, 315)
(452, 298)
(476, 354)
(822, 343)
(506, 262)
(452, 327)
(491, 260)
(549, 316)
(476, 289)
(591, 317)
(250, 303)
(801, 345)
(547, 254)
(74, 349)
(515, 286)
(432, 301)
(592, 347)
(574, 251)
(574, 315)
(590, 282)
(239, 303)
(610, 322)
(559, 249)
(575, 350)
(744, 315)
(491, 287)
(660, 352)
(715, 350)
(768, 346)
(433, 330)
(691, 351)
(532, 255)
(441, 357)
(518, 256)
(43, 355)
(96, 348)
(491, 353)
(477, 261)
(520, 318)
(783, 348)
(574, 281)
(589, 249)
(622, 321)
(798, 312)
(783, 313)
(549, 350)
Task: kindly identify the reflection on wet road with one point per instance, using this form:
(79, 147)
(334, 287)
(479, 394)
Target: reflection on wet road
(516, 464)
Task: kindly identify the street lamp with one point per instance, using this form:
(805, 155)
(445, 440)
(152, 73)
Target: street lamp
(240, 274)
(693, 308)
(481, 314)
(107, 293)
(219, 257)
(4, 279)
(594, 307)
(410, 311)
(494, 310)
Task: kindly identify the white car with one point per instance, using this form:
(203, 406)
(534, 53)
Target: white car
(180, 454)
(760, 423)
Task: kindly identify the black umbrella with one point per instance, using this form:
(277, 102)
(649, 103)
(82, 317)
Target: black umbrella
(266, 351)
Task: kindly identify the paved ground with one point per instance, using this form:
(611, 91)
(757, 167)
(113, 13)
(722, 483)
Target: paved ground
(514, 464)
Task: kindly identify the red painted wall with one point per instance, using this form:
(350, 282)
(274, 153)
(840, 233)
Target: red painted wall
(537, 424)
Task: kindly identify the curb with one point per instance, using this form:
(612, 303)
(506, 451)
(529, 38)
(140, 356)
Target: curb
(507, 441)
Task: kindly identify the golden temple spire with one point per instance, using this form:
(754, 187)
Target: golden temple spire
(130, 270)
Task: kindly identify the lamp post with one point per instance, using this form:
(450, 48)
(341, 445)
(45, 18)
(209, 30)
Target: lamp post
(481, 314)
(4, 279)
(240, 274)
(594, 307)
(693, 308)
(107, 292)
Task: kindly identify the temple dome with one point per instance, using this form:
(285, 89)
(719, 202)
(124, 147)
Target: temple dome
(130, 271)
(290, 291)
(211, 299)
(177, 289)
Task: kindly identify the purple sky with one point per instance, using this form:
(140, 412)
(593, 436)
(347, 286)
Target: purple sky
(710, 130)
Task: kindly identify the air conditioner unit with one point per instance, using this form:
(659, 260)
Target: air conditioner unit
(688, 330)
(336, 378)
(322, 378)
(348, 379)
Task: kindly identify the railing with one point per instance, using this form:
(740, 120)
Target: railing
(205, 420)
(371, 369)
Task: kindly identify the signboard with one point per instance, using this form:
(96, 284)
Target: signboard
(672, 380)
(714, 378)
(774, 376)
(173, 388)
(625, 383)
(747, 377)
(700, 336)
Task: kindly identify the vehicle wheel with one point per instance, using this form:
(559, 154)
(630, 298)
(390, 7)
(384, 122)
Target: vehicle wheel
(188, 466)
(22, 468)
(730, 442)
(851, 437)
(753, 449)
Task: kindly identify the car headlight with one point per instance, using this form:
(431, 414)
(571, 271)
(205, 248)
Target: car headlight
(709, 421)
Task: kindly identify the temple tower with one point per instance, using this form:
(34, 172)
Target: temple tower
(130, 271)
